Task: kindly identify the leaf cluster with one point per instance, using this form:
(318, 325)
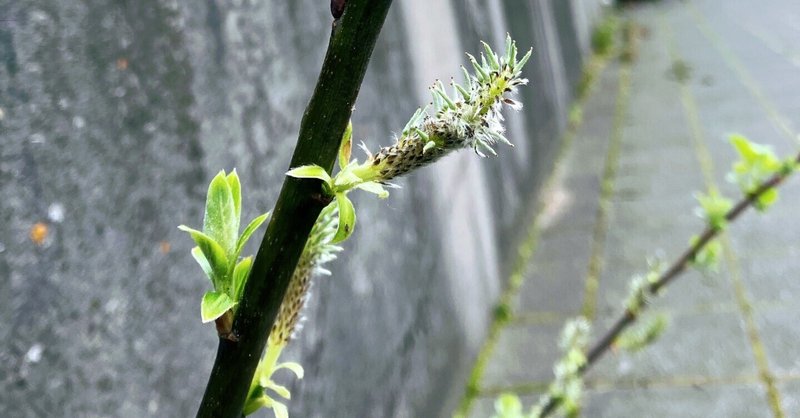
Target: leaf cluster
(219, 245)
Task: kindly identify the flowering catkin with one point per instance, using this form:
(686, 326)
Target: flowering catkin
(317, 251)
(471, 119)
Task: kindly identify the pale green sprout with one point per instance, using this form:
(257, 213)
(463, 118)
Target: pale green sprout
(220, 244)
(756, 164)
(713, 209)
(470, 118)
(646, 333)
(640, 287)
(508, 405)
(707, 258)
(567, 387)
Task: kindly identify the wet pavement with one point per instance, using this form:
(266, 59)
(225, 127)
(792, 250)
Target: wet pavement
(654, 132)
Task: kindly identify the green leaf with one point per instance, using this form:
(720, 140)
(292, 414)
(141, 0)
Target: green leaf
(254, 403)
(201, 259)
(236, 192)
(766, 199)
(214, 253)
(311, 172)
(707, 258)
(346, 146)
(279, 389)
(214, 305)
(240, 274)
(346, 179)
(347, 218)
(221, 222)
(294, 367)
(756, 164)
(508, 405)
(375, 188)
(280, 410)
(642, 335)
(713, 208)
(248, 231)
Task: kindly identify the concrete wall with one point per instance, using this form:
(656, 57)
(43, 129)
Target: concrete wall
(115, 115)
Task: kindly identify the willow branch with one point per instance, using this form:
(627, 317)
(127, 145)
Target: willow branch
(668, 276)
(300, 201)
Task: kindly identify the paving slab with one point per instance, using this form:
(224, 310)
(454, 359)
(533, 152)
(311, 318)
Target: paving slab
(673, 140)
(781, 334)
(694, 346)
(729, 401)
(791, 397)
(523, 354)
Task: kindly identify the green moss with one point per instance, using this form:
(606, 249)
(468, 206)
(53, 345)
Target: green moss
(604, 35)
(631, 33)
(502, 313)
(680, 71)
(606, 192)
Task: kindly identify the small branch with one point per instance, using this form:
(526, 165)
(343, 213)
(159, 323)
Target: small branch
(353, 38)
(676, 268)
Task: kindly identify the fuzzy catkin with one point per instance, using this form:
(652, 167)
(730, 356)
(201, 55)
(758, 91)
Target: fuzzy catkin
(471, 120)
(317, 251)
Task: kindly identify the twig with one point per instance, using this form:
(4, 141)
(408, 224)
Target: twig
(352, 40)
(676, 268)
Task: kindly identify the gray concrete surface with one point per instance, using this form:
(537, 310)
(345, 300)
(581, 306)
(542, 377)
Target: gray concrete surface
(731, 347)
(116, 114)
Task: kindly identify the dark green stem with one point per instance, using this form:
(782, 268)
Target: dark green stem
(300, 201)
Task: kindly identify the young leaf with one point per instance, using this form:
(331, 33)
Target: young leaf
(507, 405)
(713, 208)
(707, 259)
(256, 402)
(347, 218)
(766, 199)
(637, 338)
(311, 172)
(280, 410)
(221, 222)
(214, 305)
(248, 231)
(213, 252)
(240, 274)
(346, 146)
(279, 389)
(756, 164)
(294, 367)
(375, 188)
(201, 259)
(236, 192)
(346, 179)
